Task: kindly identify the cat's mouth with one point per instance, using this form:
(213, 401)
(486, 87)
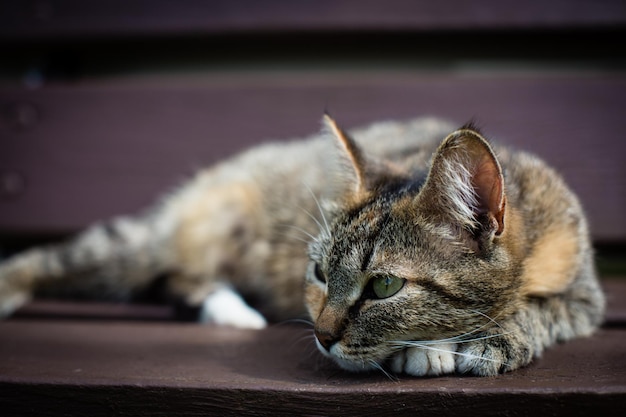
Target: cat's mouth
(363, 362)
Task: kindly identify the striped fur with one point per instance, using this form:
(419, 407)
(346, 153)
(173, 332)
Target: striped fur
(412, 249)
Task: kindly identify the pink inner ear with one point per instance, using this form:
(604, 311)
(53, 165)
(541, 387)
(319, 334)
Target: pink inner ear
(488, 185)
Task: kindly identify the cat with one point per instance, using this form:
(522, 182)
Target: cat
(414, 247)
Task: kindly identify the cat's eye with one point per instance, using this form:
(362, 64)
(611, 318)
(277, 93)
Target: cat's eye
(319, 274)
(384, 286)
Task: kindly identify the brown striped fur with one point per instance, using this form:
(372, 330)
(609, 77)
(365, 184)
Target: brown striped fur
(484, 251)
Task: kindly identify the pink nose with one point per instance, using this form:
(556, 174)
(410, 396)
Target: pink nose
(326, 339)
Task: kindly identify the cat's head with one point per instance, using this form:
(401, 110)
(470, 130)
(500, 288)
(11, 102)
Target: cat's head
(410, 256)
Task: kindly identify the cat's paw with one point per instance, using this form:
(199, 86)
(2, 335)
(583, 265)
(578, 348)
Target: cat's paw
(434, 360)
(225, 307)
(11, 298)
(493, 355)
(9, 303)
(480, 359)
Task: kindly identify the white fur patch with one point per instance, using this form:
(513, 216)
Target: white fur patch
(12, 301)
(225, 307)
(436, 359)
(459, 195)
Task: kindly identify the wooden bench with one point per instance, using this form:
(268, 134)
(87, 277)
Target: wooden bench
(96, 359)
(104, 107)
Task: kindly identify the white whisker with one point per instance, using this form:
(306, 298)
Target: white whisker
(298, 238)
(319, 208)
(301, 230)
(428, 347)
(487, 317)
(379, 367)
(456, 339)
(298, 321)
(491, 336)
(459, 339)
(462, 338)
(308, 213)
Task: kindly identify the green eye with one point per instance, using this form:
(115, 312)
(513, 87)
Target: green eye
(385, 286)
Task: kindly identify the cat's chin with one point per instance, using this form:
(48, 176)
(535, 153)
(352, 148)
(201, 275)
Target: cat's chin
(348, 365)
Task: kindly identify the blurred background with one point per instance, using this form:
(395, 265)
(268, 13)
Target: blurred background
(105, 105)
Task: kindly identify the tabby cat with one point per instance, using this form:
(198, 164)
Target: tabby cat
(425, 257)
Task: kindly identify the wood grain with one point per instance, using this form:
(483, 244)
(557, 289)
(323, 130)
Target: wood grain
(57, 360)
(98, 368)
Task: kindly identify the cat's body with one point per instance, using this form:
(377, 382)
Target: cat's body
(459, 266)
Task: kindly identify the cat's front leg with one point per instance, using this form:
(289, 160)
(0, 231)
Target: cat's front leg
(17, 278)
(225, 307)
(12, 297)
(431, 360)
(215, 301)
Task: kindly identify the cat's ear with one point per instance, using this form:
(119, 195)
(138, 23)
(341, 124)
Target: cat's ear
(359, 173)
(465, 184)
(355, 156)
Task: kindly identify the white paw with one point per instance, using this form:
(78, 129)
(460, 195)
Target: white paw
(225, 307)
(434, 360)
(11, 297)
(11, 302)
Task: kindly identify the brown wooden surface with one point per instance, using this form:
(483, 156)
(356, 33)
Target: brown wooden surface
(84, 367)
(63, 18)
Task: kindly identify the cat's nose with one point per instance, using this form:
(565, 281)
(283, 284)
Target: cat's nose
(326, 339)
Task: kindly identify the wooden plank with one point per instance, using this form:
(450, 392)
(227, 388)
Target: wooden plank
(75, 154)
(77, 367)
(81, 368)
(53, 400)
(94, 310)
(75, 18)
